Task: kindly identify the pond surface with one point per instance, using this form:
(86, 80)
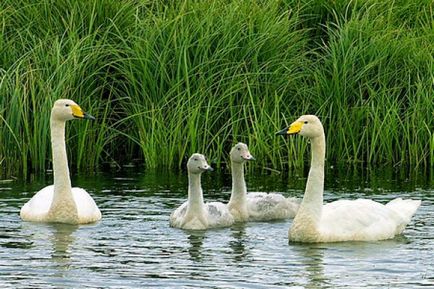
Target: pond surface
(134, 247)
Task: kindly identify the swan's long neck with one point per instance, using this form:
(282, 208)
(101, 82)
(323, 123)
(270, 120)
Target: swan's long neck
(311, 207)
(195, 194)
(63, 207)
(239, 189)
(62, 181)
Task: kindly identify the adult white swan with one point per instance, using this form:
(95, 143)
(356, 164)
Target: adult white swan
(343, 220)
(60, 203)
(254, 206)
(194, 214)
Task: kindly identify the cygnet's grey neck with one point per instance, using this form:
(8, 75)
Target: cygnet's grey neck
(195, 194)
(239, 189)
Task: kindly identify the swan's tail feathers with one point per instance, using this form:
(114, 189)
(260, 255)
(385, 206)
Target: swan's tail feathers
(405, 208)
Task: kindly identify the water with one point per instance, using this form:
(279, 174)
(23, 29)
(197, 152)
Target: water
(134, 247)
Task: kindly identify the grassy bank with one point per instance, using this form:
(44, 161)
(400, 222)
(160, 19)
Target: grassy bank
(165, 80)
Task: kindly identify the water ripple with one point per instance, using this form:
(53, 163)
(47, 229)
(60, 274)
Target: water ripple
(134, 247)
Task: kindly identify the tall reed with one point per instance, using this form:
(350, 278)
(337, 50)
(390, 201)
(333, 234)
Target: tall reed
(166, 79)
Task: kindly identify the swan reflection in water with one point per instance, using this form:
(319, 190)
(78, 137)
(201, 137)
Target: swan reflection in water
(312, 257)
(51, 240)
(344, 260)
(196, 238)
(62, 236)
(238, 242)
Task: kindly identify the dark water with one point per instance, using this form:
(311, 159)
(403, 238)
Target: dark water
(134, 247)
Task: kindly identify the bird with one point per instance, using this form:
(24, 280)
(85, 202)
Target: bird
(195, 214)
(342, 220)
(254, 206)
(61, 203)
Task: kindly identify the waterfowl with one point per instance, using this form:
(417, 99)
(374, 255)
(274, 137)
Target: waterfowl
(254, 206)
(194, 214)
(60, 203)
(342, 220)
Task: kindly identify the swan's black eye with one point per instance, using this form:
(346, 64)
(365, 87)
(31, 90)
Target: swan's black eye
(239, 149)
(305, 122)
(66, 105)
(195, 159)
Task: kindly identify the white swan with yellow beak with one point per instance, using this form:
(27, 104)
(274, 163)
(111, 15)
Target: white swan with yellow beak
(343, 220)
(60, 203)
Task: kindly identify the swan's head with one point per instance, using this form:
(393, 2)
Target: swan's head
(240, 153)
(306, 125)
(197, 164)
(66, 109)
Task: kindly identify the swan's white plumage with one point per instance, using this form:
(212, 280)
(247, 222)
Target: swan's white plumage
(37, 208)
(255, 206)
(364, 219)
(194, 214)
(87, 210)
(343, 220)
(60, 202)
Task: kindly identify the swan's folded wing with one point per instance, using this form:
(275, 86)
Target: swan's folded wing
(359, 219)
(177, 216)
(218, 215)
(37, 207)
(86, 207)
(270, 206)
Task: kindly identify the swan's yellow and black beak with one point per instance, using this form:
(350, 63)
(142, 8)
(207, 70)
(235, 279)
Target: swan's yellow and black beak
(77, 112)
(294, 128)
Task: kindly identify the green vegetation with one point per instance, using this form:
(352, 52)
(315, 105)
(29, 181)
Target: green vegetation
(168, 78)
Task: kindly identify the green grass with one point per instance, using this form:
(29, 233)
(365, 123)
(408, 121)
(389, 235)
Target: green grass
(167, 79)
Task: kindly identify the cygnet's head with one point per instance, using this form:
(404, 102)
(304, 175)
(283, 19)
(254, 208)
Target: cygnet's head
(306, 125)
(240, 153)
(66, 109)
(197, 164)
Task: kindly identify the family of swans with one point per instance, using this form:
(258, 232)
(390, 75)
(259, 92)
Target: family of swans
(314, 221)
